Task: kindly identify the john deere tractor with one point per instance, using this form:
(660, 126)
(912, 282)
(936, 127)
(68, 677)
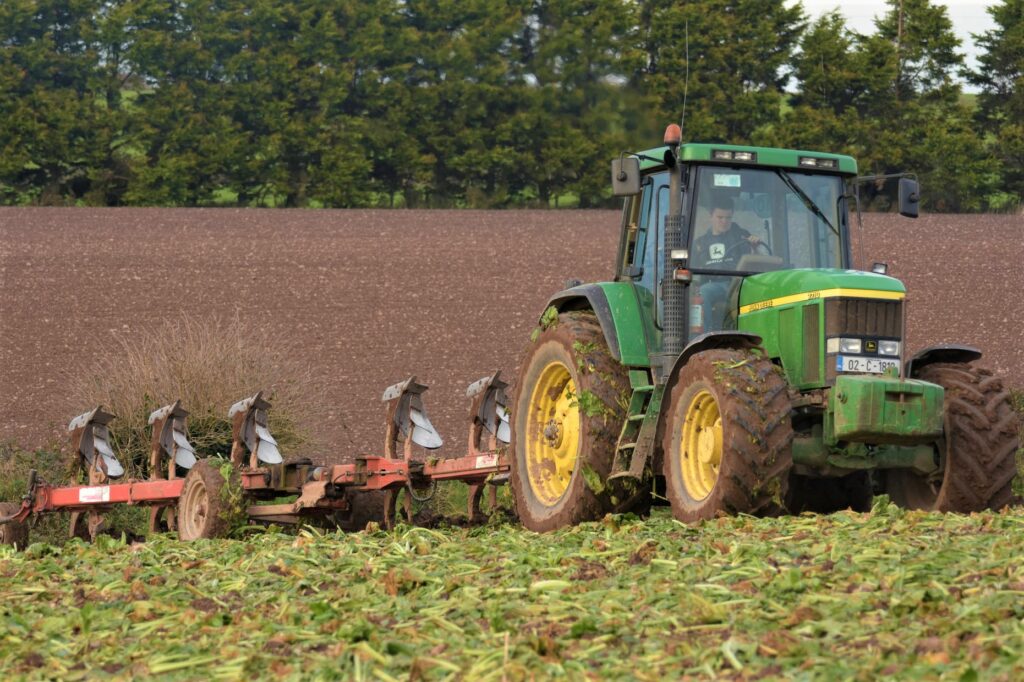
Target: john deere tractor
(738, 363)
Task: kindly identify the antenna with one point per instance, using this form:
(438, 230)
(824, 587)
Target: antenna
(686, 82)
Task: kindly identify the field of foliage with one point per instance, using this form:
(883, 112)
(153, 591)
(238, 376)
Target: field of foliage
(858, 596)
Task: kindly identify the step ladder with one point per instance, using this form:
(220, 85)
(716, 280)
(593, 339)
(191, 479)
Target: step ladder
(636, 441)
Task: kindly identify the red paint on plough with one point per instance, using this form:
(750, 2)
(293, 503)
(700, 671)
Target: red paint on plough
(192, 503)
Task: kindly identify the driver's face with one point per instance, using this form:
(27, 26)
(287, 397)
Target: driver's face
(721, 219)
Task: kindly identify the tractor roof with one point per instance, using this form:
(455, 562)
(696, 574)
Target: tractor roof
(752, 156)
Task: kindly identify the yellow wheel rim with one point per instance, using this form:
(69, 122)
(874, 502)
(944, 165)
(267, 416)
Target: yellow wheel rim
(700, 447)
(553, 434)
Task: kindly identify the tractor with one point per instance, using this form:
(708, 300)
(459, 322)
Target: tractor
(738, 363)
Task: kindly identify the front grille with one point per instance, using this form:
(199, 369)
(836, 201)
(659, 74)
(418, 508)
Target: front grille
(864, 317)
(860, 317)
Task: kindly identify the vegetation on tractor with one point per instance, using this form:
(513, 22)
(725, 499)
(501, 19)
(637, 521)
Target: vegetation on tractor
(885, 594)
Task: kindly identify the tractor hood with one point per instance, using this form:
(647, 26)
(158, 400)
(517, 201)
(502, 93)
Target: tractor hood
(781, 287)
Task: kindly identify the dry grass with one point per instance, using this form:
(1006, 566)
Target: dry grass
(208, 365)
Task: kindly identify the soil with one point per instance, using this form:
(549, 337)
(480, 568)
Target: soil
(372, 297)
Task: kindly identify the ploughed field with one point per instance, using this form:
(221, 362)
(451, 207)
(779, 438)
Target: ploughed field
(371, 297)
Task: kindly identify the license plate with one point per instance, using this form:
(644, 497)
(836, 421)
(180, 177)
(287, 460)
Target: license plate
(852, 363)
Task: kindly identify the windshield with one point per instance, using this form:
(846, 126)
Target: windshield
(754, 220)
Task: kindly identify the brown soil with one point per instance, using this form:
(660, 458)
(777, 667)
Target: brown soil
(371, 297)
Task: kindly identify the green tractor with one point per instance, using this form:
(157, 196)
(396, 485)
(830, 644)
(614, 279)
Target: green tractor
(739, 364)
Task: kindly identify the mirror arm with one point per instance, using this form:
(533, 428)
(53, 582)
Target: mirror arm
(861, 179)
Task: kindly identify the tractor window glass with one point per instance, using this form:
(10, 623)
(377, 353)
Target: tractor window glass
(753, 220)
(651, 223)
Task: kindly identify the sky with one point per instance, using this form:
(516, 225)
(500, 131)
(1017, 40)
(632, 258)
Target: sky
(968, 16)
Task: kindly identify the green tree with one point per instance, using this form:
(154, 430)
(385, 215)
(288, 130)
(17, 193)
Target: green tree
(834, 75)
(185, 141)
(926, 127)
(1000, 77)
(51, 128)
(891, 100)
(287, 86)
(738, 51)
(925, 49)
(574, 53)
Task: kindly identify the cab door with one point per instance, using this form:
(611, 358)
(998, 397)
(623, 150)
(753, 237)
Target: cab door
(644, 253)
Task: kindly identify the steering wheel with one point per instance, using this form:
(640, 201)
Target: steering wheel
(754, 247)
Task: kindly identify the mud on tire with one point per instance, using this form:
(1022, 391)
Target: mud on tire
(599, 385)
(753, 442)
(977, 454)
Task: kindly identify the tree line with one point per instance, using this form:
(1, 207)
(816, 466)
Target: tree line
(482, 103)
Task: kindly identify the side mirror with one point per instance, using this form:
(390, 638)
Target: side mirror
(909, 197)
(625, 176)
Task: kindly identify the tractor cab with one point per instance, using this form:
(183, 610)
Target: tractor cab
(740, 220)
(713, 234)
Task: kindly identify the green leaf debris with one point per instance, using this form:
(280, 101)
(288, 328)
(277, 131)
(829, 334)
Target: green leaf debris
(896, 594)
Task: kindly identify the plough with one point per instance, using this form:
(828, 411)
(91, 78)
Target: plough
(187, 493)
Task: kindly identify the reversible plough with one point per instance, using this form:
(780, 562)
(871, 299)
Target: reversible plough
(187, 493)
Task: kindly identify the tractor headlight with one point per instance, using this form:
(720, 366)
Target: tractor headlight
(849, 346)
(888, 347)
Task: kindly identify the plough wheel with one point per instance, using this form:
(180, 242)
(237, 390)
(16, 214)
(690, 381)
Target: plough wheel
(567, 417)
(977, 452)
(13, 532)
(205, 507)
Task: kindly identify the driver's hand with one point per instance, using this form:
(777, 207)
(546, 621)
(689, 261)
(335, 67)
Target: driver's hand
(754, 241)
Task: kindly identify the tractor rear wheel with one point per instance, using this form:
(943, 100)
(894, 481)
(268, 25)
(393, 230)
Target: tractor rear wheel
(13, 533)
(206, 507)
(726, 437)
(977, 453)
(567, 415)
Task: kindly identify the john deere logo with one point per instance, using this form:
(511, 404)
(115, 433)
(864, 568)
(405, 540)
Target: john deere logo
(870, 346)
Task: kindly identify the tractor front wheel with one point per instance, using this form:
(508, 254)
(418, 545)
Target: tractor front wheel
(726, 437)
(206, 507)
(978, 449)
(567, 416)
(13, 532)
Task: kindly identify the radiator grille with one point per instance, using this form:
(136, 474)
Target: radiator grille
(864, 317)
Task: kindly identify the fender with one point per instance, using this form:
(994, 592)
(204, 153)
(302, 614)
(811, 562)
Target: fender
(947, 352)
(709, 341)
(593, 297)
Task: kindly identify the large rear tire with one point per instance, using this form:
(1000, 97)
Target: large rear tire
(727, 436)
(567, 416)
(205, 509)
(977, 453)
(13, 533)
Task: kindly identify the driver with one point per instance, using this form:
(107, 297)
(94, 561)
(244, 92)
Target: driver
(720, 248)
